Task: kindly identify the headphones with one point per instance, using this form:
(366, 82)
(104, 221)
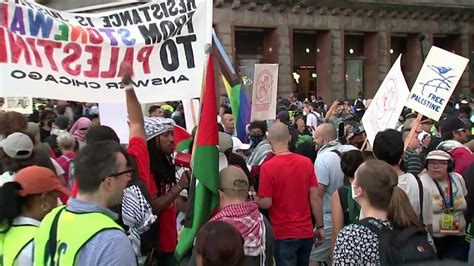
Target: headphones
(451, 164)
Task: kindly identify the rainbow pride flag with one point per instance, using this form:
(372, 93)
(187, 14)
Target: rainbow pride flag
(238, 97)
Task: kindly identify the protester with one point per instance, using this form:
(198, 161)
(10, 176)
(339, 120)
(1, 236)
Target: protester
(330, 177)
(344, 209)
(228, 123)
(11, 122)
(448, 190)
(102, 173)
(244, 216)
(155, 111)
(23, 204)
(46, 122)
(79, 130)
(259, 145)
(219, 243)
(388, 147)
(239, 148)
(60, 126)
(67, 144)
(386, 206)
(453, 128)
(359, 105)
(17, 153)
(411, 158)
(290, 200)
(301, 126)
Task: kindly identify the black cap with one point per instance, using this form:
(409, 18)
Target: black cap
(451, 123)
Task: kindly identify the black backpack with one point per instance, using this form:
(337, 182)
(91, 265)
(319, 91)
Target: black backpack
(401, 246)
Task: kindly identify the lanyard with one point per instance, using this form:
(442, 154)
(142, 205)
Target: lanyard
(448, 202)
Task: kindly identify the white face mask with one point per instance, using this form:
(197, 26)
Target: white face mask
(57, 131)
(354, 188)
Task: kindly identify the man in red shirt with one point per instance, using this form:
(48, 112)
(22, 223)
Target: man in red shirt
(287, 187)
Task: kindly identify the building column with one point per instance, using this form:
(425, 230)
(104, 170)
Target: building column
(338, 69)
(463, 44)
(413, 58)
(385, 40)
(323, 64)
(285, 69)
(371, 63)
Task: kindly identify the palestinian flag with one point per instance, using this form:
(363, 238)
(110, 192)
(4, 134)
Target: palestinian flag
(182, 139)
(203, 195)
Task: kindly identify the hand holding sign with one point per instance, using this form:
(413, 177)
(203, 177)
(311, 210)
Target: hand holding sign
(126, 69)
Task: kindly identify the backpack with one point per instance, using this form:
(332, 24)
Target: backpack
(401, 246)
(69, 174)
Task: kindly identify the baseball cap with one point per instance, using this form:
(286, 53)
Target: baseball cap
(233, 178)
(238, 145)
(439, 155)
(426, 120)
(37, 179)
(225, 142)
(17, 146)
(452, 124)
(155, 126)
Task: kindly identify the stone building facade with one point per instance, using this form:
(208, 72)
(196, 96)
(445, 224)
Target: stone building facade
(334, 48)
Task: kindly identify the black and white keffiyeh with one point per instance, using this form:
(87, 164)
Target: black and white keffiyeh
(137, 215)
(155, 126)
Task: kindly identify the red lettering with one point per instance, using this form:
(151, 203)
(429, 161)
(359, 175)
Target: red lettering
(32, 43)
(3, 14)
(17, 48)
(77, 31)
(94, 61)
(113, 64)
(74, 56)
(3, 46)
(94, 36)
(49, 47)
(144, 56)
(127, 58)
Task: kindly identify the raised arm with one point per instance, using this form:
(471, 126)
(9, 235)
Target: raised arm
(134, 110)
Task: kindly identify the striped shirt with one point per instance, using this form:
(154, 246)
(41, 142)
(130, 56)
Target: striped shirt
(109, 247)
(412, 161)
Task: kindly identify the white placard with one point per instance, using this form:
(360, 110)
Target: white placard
(22, 105)
(264, 97)
(115, 115)
(436, 82)
(387, 104)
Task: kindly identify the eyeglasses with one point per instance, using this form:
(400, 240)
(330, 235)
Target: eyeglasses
(126, 172)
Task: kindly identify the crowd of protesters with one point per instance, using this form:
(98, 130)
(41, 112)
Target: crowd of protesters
(304, 189)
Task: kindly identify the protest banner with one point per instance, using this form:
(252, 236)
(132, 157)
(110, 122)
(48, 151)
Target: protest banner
(52, 54)
(436, 82)
(264, 96)
(23, 105)
(387, 104)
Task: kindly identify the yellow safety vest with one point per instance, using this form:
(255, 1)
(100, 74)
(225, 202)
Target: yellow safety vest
(14, 241)
(73, 231)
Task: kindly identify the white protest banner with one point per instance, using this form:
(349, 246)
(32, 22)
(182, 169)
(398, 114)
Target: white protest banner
(387, 104)
(436, 82)
(52, 54)
(191, 113)
(23, 105)
(264, 95)
(115, 115)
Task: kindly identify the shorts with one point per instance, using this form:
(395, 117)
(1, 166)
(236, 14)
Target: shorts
(321, 252)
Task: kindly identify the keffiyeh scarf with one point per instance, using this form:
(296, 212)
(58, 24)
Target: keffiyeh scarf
(137, 215)
(246, 218)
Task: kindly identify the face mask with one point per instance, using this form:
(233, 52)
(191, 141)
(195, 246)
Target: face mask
(256, 138)
(57, 131)
(354, 188)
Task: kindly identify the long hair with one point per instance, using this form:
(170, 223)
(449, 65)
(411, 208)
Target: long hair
(10, 204)
(161, 166)
(380, 182)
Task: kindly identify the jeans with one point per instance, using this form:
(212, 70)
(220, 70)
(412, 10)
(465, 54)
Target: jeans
(291, 252)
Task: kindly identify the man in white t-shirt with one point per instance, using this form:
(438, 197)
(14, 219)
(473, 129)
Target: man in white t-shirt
(388, 147)
(312, 118)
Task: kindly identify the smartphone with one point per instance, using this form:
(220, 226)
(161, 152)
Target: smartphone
(340, 133)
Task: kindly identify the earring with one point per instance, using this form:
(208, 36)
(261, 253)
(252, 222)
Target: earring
(46, 207)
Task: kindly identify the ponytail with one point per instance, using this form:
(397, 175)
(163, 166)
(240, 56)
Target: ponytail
(10, 204)
(400, 210)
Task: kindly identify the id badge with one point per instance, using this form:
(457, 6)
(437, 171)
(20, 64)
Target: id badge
(448, 225)
(447, 221)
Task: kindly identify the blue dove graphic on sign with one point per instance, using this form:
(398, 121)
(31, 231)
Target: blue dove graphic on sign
(441, 81)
